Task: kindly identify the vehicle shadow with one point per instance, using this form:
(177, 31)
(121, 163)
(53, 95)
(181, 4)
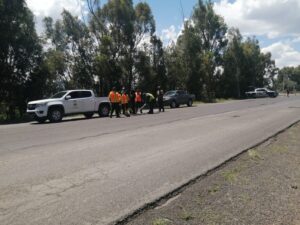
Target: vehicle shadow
(145, 113)
(67, 120)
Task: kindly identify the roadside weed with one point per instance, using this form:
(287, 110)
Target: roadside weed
(279, 149)
(185, 215)
(214, 189)
(161, 222)
(253, 154)
(231, 175)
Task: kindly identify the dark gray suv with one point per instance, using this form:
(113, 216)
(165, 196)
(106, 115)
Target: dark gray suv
(178, 97)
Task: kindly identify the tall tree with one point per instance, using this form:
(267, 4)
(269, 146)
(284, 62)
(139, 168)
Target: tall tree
(120, 28)
(20, 52)
(229, 84)
(211, 30)
(289, 78)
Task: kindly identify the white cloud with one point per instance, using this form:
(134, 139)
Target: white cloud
(53, 8)
(169, 35)
(273, 18)
(268, 18)
(284, 54)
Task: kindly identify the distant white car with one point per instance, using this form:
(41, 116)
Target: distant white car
(261, 93)
(68, 103)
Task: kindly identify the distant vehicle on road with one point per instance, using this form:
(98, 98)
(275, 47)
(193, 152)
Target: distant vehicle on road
(178, 97)
(261, 93)
(68, 103)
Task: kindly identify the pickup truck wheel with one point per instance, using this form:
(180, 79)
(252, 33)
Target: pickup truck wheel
(104, 110)
(88, 115)
(173, 104)
(190, 103)
(55, 115)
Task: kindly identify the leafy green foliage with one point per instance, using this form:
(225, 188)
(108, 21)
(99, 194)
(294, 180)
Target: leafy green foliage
(20, 53)
(289, 78)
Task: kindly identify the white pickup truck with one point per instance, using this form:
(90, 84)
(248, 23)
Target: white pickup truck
(68, 103)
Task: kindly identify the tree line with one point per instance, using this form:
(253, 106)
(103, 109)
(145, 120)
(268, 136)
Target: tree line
(117, 45)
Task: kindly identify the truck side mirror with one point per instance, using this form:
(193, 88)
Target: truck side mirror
(68, 97)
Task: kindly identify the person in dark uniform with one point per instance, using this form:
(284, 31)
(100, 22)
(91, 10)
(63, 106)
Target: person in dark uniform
(160, 99)
(132, 102)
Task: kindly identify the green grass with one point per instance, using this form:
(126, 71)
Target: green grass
(211, 217)
(214, 189)
(253, 154)
(161, 222)
(231, 175)
(279, 149)
(186, 216)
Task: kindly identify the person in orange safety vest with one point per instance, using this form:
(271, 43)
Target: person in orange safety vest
(114, 98)
(124, 102)
(138, 100)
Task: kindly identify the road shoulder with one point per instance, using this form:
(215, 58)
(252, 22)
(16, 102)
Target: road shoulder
(261, 186)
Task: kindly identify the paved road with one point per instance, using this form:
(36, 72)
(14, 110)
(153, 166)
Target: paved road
(96, 171)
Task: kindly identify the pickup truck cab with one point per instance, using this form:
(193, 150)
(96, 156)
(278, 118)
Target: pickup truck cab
(178, 97)
(68, 103)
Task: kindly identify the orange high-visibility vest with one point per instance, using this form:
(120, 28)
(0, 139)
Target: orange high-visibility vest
(113, 97)
(119, 97)
(138, 97)
(124, 98)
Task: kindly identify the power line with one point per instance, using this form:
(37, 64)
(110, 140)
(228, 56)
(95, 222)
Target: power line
(182, 11)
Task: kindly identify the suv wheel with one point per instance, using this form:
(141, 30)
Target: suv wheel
(104, 110)
(55, 115)
(173, 104)
(190, 103)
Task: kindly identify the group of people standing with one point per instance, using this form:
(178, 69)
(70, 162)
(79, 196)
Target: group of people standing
(134, 102)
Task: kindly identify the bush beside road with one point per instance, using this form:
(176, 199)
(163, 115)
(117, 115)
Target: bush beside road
(261, 186)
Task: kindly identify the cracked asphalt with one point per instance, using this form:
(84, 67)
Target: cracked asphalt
(100, 170)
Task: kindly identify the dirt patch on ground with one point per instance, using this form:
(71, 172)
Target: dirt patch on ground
(260, 187)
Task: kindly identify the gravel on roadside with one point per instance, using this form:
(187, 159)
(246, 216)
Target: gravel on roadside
(259, 187)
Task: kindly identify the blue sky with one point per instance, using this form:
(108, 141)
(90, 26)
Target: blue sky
(274, 22)
(168, 12)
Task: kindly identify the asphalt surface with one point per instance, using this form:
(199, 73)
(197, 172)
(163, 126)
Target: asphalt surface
(97, 171)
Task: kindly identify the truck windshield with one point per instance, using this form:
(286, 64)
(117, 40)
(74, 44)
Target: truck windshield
(170, 93)
(59, 95)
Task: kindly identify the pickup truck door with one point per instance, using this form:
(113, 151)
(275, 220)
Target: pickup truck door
(87, 101)
(73, 105)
